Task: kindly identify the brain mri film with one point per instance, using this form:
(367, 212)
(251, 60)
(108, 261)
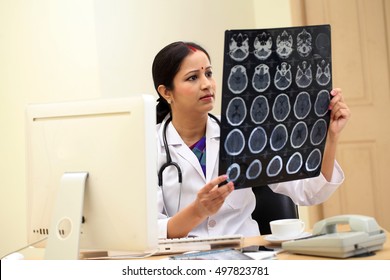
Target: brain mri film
(261, 79)
(238, 80)
(262, 44)
(281, 107)
(275, 104)
(236, 111)
(257, 140)
(304, 75)
(302, 105)
(254, 169)
(259, 109)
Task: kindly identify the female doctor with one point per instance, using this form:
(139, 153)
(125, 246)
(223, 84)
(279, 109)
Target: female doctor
(189, 199)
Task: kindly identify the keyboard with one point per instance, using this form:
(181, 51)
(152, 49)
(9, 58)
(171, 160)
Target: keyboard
(187, 244)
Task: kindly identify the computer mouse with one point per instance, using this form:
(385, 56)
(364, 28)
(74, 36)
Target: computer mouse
(14, 256)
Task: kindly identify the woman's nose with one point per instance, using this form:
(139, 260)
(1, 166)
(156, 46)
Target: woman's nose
(206, 82)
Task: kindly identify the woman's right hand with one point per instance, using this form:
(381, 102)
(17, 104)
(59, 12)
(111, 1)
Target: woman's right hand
(208, 201)
(211, 196)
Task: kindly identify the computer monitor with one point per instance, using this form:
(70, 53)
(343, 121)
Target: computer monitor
(91, 176)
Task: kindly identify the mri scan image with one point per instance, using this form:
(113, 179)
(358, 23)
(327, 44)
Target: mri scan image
(259, 109)
(321, 104)
(235, 142)
(233, 172)
(284, 45)
(294, 163)
(304, 75)
(279, 137)
(281, 107)
(263, 45)
(236, 111)
(239, 47)
(318, 132)
(299, 134)
(275, 104)
(262, 78)
(275, 166)
(238, 79)
(304, 43)
(313, 160)
(257, 140)
(323, 73)
(283, 76)
(254, 169)
(302, 105)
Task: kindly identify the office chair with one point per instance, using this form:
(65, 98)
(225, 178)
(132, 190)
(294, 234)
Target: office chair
(272, 206)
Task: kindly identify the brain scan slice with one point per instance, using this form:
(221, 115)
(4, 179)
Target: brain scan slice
(284, 45)
(274, 166)
(254, 169)
(235, 142)
(263, 45)
(318, 132)
(239, 47)
(238, 79)
(259, 109)
(233, 172)
(304, 75)
(302, 105)
(236, 111)
(299, 135)
(279, 137)
(261, 78)
(313, 160)
(257, 140)
(281, 107)
(304, 43)
(323, 74)
(283, 76)
(321, 105)
(294, 163)
(322, 44)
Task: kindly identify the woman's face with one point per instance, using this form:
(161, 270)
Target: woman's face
(194, 85)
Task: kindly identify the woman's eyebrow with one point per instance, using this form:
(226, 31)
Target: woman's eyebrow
(194, 71)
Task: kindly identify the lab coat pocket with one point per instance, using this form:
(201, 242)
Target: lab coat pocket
(239, 198)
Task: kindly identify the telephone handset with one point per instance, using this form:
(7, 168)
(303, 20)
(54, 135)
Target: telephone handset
(364, 236)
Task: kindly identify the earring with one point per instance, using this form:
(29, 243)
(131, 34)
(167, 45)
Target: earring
(169, 101)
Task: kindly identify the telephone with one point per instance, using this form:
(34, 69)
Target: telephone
(364, 236)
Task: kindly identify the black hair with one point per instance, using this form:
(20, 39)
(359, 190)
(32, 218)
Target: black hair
(165, 66)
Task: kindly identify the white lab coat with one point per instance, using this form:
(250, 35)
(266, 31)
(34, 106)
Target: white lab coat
(234, 217)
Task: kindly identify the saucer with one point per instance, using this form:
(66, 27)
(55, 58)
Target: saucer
(274, 239)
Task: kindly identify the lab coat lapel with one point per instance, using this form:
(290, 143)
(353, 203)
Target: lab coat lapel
(212, 148)
(177, 144)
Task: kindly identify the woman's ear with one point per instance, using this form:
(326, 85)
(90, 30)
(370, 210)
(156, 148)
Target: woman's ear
(165, 93)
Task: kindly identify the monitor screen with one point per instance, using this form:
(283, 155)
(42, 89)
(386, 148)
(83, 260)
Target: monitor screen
(91, 176)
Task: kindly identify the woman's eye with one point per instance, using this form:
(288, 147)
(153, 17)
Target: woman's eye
(209, 74)
(192, 78)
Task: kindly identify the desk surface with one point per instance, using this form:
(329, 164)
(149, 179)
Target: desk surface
(383, 254)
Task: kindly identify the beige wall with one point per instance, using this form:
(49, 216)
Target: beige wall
(53, 50)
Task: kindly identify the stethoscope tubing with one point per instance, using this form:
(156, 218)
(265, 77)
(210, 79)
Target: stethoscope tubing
(169, 162)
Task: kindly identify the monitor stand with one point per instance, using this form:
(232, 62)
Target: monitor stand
(64, 235)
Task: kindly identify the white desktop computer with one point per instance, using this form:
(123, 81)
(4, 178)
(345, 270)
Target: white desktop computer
(91, 176)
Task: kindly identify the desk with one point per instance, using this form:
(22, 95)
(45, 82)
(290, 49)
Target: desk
(383, 254)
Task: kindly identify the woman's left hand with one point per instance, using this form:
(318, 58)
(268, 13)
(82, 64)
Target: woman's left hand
(340, 113)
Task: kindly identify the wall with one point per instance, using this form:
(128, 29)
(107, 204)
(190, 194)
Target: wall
(53, 50)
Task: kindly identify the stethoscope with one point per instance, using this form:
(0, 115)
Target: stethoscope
(169, 162)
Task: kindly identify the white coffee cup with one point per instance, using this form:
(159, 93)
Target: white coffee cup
(287, 228)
